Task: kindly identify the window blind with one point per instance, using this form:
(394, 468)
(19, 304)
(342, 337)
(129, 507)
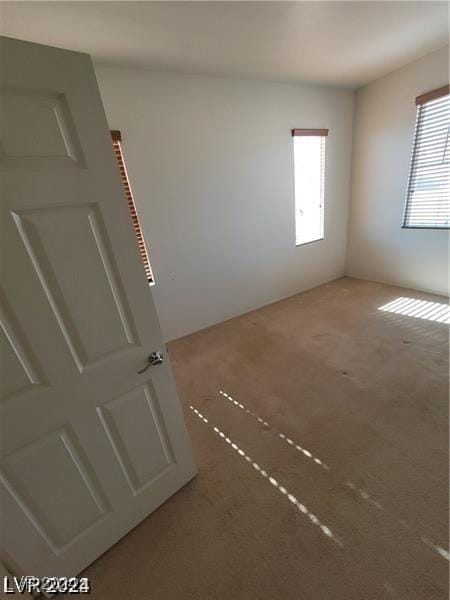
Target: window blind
(309, 184)
(428, 193)
(116, 140)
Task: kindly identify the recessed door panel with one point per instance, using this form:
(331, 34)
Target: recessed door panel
(53, 484)
(19, 369)
(136, 431)
(39, 129)
(70, 254)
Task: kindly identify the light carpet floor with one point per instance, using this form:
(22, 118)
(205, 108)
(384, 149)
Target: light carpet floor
(320, 429)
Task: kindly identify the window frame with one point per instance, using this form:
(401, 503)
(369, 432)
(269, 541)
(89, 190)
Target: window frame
(421, 101)
(323, 134)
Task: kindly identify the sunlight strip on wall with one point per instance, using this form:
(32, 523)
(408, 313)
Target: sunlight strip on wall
(420, 309)
(281, 489)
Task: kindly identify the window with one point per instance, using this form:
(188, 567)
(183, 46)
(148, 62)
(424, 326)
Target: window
(117, 138)
(428, 193)
(309, 172)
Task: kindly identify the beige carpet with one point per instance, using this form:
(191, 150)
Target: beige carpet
(333, 482)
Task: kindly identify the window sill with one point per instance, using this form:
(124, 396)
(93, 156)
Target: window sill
(311, 242)
(446, 228)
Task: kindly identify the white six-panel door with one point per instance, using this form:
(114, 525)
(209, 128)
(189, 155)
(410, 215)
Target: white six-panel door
(88, 447)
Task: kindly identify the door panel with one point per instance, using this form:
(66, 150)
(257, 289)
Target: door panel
(136, 432)
(39, 129)
(59, 513)
(89, 447)
(21, 372)
(94, 325)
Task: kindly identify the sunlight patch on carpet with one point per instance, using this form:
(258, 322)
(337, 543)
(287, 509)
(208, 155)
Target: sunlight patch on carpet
(281, 489)
(419, 309)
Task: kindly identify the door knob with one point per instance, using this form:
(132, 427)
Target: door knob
(155, 358)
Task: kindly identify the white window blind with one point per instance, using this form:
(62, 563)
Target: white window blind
(309, 166)
(428, 193)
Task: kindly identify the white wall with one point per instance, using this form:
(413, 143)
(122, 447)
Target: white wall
(378, 248)
(211, 167)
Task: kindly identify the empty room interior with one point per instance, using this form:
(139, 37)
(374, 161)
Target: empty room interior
(224, 300)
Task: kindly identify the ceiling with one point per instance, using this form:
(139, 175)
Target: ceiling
(333, 43)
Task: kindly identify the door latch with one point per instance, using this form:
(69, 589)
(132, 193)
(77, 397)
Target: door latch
(155, 358)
